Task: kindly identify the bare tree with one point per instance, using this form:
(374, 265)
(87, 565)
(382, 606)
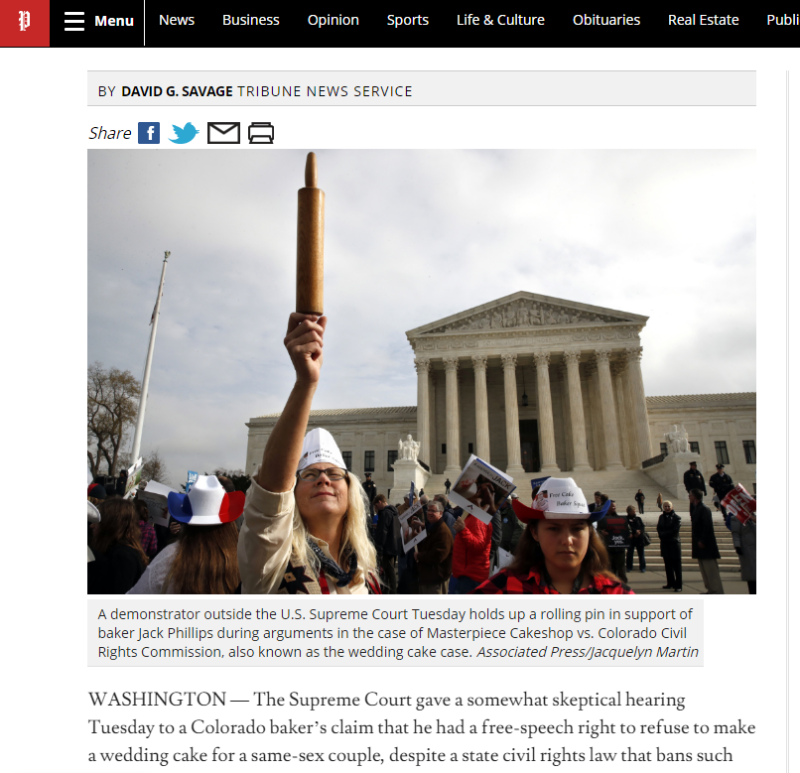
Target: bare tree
(113, 401)
(153, 466)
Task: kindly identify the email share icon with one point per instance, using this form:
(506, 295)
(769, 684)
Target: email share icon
(224, 133)
(261, 133)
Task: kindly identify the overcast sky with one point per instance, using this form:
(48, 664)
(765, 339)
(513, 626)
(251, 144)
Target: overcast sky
(411, 237)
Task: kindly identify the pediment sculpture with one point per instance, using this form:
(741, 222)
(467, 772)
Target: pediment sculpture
(525, 313)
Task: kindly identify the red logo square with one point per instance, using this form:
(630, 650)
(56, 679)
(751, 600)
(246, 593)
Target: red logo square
(25, 23)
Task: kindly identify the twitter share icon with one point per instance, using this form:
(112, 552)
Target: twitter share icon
(184, 134)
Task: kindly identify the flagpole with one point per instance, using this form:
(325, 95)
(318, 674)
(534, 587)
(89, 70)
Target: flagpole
(137, 437)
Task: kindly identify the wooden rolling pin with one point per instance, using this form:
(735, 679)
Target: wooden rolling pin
(310, 242)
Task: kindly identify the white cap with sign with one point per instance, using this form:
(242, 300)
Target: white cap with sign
(319, 446)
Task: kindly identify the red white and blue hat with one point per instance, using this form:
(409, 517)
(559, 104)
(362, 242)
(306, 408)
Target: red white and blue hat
(558, 498)
(206, 504)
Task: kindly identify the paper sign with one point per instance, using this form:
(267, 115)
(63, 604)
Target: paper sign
(155, 497)
(504, 558)
(537, 482)
(134, 479)
(740, 503)
(412, 526)
(481, 488)
(191, 479)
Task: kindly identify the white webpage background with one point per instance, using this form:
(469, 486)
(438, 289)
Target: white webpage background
(43, 136)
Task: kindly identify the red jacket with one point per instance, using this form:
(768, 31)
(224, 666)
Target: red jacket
(471, 549)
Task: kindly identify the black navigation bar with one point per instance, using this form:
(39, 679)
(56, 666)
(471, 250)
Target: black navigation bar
(248, 24)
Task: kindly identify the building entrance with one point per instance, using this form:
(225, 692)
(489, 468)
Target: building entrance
(529, 445)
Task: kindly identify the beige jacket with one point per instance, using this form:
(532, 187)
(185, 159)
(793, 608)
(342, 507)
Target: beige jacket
(265, 549)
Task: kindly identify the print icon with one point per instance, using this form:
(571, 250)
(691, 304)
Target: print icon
(261, 133)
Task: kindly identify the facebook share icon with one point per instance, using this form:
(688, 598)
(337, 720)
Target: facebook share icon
(149, 133)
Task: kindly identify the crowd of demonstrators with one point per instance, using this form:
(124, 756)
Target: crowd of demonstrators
(202, 553)
(669, 535)
(558, 552)
(637, 540)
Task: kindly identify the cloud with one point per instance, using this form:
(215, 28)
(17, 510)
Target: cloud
(411, 237)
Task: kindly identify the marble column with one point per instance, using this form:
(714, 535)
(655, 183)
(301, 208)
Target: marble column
(423, 366)
(547, 435)
(452, 419)
(482, 448)
(512, 415)
(578, 422)
(623, 419)
(566, 418)
(608, 411)
(595, 417)
(636, 385)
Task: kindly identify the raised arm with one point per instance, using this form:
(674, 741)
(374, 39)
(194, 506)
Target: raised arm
(281, 456)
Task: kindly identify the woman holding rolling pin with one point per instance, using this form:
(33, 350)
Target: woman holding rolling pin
(305, 516)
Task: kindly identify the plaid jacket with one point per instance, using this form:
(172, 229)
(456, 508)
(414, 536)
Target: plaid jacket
(149, 542)
(504, 582)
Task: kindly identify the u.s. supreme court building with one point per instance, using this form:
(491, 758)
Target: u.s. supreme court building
(535, 384)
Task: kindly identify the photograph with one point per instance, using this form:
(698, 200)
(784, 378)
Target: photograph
(412, 524)
(481, 490)
(612, 343)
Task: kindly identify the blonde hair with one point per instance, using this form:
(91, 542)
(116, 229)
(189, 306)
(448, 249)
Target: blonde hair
(355, 538)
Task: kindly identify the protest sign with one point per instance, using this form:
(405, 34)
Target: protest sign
(535, 482)
(134, 478)
(191, 479)
(481, 489)
(616, 531)
(412, 526)
(740, 503)
(155, 497)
